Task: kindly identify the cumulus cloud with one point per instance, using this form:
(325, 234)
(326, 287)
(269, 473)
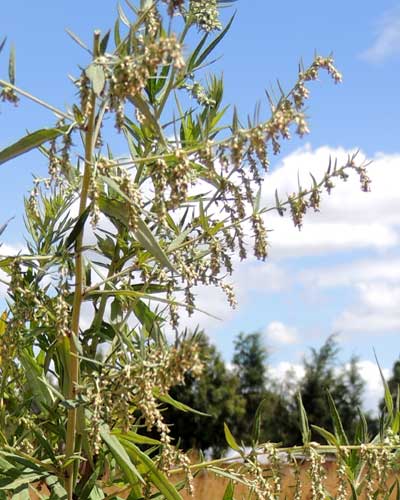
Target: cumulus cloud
(387, 39)
(376, 269)
(375, 283)
(376, 310)
(281, 370)
(279, 333)
(369, 371)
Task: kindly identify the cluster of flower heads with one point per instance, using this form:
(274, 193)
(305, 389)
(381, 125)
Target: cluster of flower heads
(117, 395)
(203, 13)
(146, 375)
(8, 94)
(267, 480)
(128, 75)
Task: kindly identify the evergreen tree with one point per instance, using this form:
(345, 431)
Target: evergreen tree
(394, 380)
(319, 377)
(345, 386)
(349, 396)
(249, 361)
(393, 384)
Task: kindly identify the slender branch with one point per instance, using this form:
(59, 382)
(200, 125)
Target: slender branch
(79, 286)
(35, 99)
(291, 450)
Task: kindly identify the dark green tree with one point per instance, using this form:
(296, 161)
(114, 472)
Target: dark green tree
(345, 386)
(394, 380)
(249, 360)
(215, 393)
(393, 384)
(348, 396)
(319, 377)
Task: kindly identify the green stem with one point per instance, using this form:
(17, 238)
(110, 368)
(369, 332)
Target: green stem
(35, 99)
(103, 301)
(78, 294)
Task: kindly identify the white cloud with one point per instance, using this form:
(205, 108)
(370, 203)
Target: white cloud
(369, 371)
(358, 320)
(279, 333)
(380, 296)
(387, 40)
(282, 369)
(352, 273)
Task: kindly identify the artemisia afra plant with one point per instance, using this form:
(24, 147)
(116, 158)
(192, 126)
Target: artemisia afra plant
(115, 246)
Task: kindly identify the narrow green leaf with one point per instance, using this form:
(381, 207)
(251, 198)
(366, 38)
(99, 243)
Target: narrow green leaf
(166, 398)
(192, 60)
(177, 242)
(149, 242)
(11, 65)
(77, 40)
(337, 422)
(23, 479)
(147, 318)
(361, 435)
(230, 439)
(57, 490)
(328, 436)
(132, 475)
(305, 428)
(104, 42)
(396, 423)
(229, 491)
(122, 16)
(257, 421)
(22, 493)
(41, 395)
(226, 473)
(117, 34)
(143, 234)
(3, 43)
(155, 475)
(214, 43)
(30, 141)
(46, 446)
(257, 201)
(77, 229)
(388, 395)
(136, 438)
(84, 490)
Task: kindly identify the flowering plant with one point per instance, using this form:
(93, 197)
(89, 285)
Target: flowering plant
(115, 247)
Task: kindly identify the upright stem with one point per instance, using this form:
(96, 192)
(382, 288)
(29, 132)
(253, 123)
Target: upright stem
(79, 286)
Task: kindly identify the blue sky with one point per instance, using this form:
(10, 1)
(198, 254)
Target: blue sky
(342, 272)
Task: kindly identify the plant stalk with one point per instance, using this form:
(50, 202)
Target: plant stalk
(35, 99)
(79, 287)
